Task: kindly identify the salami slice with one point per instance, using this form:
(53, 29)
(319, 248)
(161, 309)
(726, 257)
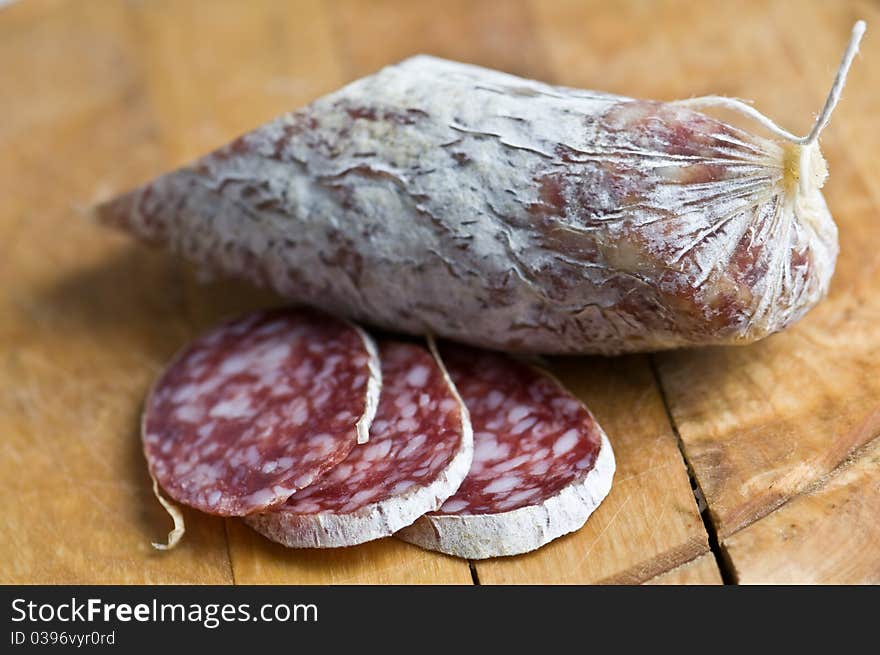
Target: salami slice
(258, 408)
(420, 450)
(541, 462)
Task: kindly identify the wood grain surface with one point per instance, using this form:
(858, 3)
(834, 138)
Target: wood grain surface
(700, 571)
(780, 437)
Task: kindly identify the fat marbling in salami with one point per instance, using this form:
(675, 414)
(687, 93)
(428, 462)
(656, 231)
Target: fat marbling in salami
(419, 452)
(258, 408)
(541, 463)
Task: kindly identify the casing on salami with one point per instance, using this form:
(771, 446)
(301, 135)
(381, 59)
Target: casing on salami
(440, 197)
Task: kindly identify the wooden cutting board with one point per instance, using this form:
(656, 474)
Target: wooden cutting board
(780, 437)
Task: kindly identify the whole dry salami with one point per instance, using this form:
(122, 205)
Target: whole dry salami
(541, 463)
(419, 452)
(439, 197)
(258, 408)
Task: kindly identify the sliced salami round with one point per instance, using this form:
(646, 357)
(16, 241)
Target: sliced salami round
(419, 452)
(541, 463)
(259, 407)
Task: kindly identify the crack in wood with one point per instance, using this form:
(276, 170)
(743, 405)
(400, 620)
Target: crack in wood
(722, 557)
(474, 576)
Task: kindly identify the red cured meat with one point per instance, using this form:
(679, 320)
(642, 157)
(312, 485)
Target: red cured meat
(258, 408)
(533, 438)
(419, 452)
(541, 462)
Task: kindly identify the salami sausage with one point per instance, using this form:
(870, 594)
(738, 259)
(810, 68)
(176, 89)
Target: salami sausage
(440, 197)
(541, 462)
(419, 452)
(259, 407)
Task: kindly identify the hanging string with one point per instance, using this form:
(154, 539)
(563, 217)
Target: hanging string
(824, 116)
